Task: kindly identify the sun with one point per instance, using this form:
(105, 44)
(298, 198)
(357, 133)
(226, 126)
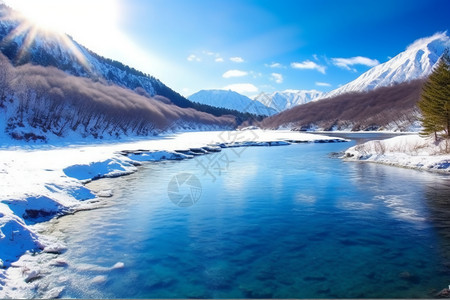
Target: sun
(90, 22)
(98, 25)
(79, 18)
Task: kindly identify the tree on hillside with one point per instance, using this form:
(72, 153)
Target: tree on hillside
(435, 100)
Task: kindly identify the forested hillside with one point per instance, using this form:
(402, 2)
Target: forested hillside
(393, 108)
(40, 103)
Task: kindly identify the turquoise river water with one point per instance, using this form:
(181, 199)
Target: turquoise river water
(261, 222)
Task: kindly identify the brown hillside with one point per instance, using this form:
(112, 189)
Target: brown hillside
(358, 111)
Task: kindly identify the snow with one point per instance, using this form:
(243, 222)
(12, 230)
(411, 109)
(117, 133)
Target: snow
(99, 279)
(39, 182)
(105, 194)
(54, 293)
(415, 62)
(67, 52)
(108, 168)
(409, 151)
(283, 100)
(231, 100)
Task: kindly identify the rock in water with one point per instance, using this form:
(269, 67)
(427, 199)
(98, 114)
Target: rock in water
(118, 265)
(105, 194)
(32, 275)
(99, 279)
(445, 293)
(55, 249)
(54, 293)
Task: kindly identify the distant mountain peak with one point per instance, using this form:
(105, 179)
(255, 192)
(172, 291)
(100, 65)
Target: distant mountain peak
(437, 39)
(415, 62)
(282, 100)
(231, 100)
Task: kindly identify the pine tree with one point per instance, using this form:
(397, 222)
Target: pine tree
(435, 100)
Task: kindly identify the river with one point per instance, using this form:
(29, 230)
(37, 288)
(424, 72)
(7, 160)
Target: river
(260, 222)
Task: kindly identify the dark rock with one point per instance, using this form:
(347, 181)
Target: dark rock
(444, 293)
(198, 150)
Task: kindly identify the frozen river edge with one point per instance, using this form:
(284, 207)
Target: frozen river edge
(40, 184)
(408, 151)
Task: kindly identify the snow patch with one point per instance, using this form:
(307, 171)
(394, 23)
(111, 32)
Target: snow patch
(410, 151)
(99, 279)
(32, 209)
(105, 194)
(15, 237)
(96, 170)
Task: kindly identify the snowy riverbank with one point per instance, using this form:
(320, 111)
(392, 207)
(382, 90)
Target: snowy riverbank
(409, 151)
(37, 184)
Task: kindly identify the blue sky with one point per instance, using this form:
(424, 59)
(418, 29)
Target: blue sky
(254, 46)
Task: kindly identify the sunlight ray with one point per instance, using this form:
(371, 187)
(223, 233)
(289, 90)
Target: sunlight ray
(29, 32)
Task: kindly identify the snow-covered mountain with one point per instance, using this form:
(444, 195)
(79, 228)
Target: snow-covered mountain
(54, 89)
(231, 100)
(415, 62)
(22, 44)
(287, 99)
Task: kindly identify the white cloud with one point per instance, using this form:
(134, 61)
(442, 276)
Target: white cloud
(242, 88)
(237, 59)
(234, 73)
(315, 57)
(346, 63)
(205, 56)
(308, 65)
(318, 83)
(274, 65)
(193, 57)
(277, 77)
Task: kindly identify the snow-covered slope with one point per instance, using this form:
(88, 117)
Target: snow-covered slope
(64, 53)
(22, 44)
(231, 100)
(415, 62)
(408, 151)
(287, 99)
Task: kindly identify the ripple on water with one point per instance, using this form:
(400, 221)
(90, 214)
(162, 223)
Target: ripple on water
(314, 228)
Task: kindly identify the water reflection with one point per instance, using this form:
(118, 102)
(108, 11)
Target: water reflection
(299, 226)
(437, 195)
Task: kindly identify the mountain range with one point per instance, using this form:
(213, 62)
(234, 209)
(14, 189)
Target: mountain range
(41, 68)
(231, 100)
(53, 88)
(287, 99)
(392, 108)
(23, 44)
(415, 62)
(383, 98)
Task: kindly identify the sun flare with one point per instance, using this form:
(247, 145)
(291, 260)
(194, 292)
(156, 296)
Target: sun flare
(87, 18)
(91, 21)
